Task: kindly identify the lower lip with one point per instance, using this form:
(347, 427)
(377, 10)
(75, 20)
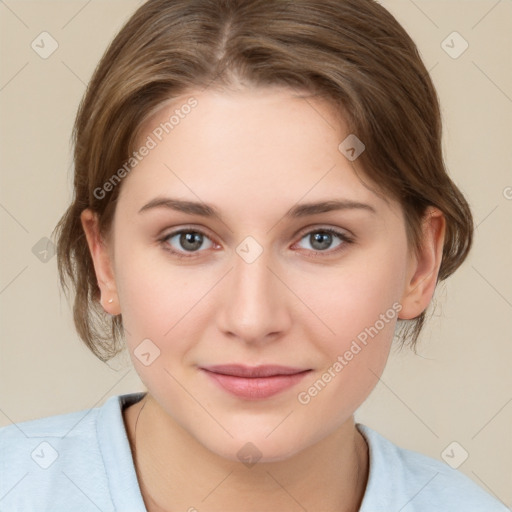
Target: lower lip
(258, 387)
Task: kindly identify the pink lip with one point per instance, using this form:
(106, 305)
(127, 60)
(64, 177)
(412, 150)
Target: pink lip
(254, 383)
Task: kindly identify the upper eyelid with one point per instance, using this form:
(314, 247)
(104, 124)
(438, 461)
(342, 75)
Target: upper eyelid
(314, 228)
(186, 229)
(303, 231)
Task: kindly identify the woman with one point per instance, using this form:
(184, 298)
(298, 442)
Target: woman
(260, 201)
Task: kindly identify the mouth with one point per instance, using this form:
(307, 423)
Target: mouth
(254, 383)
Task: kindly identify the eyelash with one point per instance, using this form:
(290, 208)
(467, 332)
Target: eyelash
(347, 240)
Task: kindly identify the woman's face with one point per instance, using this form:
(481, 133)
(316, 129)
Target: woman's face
(261, 281)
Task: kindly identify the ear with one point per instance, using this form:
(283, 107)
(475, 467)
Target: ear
(102, 262)
(423, 267)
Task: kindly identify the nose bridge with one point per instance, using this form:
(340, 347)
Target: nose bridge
(254, 305)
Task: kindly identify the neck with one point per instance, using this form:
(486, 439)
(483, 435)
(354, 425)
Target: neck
(176, 472)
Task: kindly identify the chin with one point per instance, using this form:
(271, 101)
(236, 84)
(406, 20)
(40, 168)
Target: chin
(256, 447)
(250, 452)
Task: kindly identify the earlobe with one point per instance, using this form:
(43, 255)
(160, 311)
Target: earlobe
(423, 268)
(101, 261)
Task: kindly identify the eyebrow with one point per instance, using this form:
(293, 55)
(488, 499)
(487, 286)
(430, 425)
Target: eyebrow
(299, 210)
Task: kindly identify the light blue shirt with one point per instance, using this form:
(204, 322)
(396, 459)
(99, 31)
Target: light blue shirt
(81, 462)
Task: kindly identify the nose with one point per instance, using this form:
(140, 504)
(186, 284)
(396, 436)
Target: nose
(254, 304)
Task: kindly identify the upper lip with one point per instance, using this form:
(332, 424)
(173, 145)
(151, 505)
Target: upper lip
(239, 370)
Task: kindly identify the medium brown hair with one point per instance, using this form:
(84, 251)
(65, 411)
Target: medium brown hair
(352, 52)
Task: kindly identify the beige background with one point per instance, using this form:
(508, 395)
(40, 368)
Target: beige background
(460, 386)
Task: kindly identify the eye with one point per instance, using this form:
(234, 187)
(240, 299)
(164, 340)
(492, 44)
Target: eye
(322, 239)
(185, 241)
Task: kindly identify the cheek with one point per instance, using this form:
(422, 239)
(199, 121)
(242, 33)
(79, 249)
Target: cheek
(354, 296)
(363, 318)
(160, 300)
(358, 307)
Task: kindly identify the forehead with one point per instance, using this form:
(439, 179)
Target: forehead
(270, 144)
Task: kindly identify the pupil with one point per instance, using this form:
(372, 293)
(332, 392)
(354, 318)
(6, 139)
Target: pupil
(191, 241)
(324, 240)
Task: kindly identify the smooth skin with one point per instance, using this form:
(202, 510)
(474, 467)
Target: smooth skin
(253, 154)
